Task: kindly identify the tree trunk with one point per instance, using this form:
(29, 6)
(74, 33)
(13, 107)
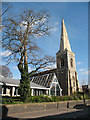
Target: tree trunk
(25, 82)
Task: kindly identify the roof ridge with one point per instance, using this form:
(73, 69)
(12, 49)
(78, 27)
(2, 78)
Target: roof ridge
(42, 75)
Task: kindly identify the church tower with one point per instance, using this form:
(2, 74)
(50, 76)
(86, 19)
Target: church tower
(66, 66)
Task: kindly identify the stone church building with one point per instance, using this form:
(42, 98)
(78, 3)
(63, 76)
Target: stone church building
(62, 80)
(66, 66)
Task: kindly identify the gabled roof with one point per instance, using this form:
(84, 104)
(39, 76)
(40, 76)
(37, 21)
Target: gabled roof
(34, 85)
(45, 72)
(43, 80)
(10, 81)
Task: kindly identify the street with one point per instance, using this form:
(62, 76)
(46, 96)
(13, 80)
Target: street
(71, 113)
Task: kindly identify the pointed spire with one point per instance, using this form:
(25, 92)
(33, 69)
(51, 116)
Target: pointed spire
(64, 43)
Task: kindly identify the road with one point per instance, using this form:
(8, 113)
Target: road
(61, 114)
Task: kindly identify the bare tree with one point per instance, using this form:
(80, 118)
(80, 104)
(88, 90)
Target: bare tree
(6, 71)
(4, 8)
(19, 37)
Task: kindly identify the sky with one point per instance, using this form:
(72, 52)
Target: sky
(75, 16)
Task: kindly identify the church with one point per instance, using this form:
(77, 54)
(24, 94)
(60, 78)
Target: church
(62, 80)
(66, 66)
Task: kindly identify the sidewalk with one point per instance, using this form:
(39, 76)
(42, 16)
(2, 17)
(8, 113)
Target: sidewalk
(49, 114)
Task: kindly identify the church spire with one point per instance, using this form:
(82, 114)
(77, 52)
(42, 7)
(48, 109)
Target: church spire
(64, 43)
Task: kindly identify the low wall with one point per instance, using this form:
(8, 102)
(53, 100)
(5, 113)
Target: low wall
(31, 107)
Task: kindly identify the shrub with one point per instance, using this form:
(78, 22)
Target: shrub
(70, 98)
(35, 99)
(75, 97)
(47, 99)
(42, 98)
(61, 98)
(16, 98)
(80, 98)
(53, 98)
(7, 100)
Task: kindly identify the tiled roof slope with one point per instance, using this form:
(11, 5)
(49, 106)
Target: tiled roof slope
(43, 80)
(10, 80)
(17, 81)
(46, 72)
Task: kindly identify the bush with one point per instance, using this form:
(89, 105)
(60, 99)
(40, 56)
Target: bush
(42, 98)
(66, 98)
(53, 98)
(10, 100)
(61, 98)
(16, 98)
(70, 98)
(7, 100)
(39, 99)
(34, 99)
(47, 99)
(75, 97)
(80, 98)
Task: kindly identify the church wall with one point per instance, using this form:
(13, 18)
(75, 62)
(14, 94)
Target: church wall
(72, 69)
(70, 55)
(66, 65)
(67, 74)
(62, 73)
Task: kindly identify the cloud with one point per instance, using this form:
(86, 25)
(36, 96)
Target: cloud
(81, 70)
(15, 67)
(79, 63)
(54, 29)
(5, 53)
(86, 72)
(29, 69)
(57, 23)
(50, 67)
(32, 25)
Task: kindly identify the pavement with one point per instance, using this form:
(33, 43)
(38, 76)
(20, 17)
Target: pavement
(60, 114)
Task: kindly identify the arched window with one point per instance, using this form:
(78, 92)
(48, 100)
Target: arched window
(71, 61)
(62, 63)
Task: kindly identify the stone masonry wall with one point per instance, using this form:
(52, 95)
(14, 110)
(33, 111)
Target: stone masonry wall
(31, 107)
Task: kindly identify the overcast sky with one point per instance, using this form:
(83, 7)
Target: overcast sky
(76, 21)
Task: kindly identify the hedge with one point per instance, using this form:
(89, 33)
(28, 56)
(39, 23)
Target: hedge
(39, 99)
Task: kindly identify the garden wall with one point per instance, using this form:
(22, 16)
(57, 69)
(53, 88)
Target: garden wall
(31, 107)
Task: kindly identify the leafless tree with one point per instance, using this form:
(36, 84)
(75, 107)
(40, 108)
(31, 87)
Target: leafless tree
(4, 8)
(6, 71)
(19, 37)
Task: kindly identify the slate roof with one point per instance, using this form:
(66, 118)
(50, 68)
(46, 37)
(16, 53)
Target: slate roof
(34, 85)
(46, 72)
(10, 80)
(43, 80)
